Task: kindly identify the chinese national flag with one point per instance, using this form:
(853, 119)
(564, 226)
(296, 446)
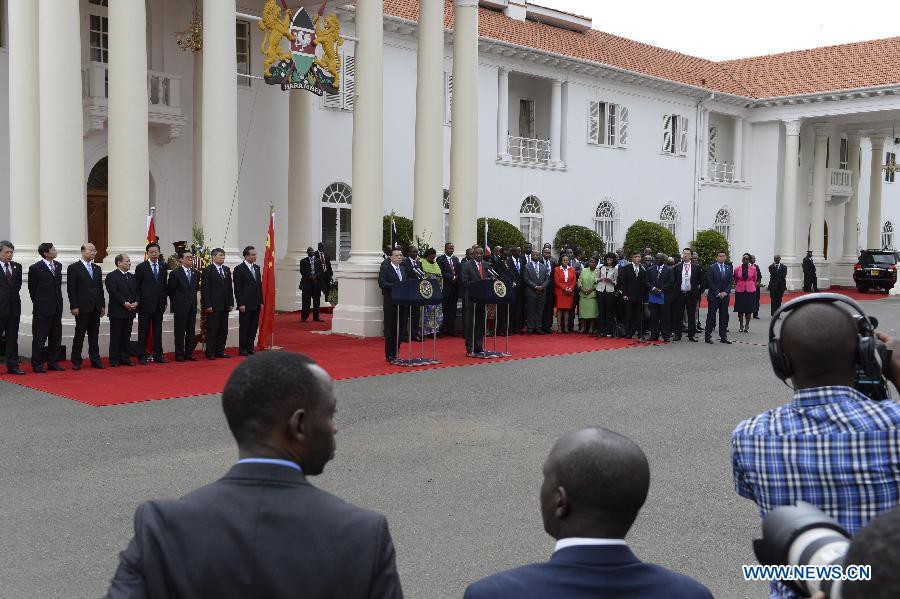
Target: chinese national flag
(267, 318)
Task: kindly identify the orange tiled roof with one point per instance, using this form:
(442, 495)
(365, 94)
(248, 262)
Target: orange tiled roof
(849, 66)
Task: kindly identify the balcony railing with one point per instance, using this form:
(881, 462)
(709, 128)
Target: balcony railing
(721, 172)
(163, 96)
(524, 149)
(840, 182)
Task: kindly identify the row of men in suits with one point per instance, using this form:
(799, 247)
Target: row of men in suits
(144, 294)
(315, 281)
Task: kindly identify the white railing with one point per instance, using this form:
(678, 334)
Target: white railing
(523, 149)
(721, 172)
(841, 178)
(163, 89)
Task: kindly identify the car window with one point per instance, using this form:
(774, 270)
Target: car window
(885, 259)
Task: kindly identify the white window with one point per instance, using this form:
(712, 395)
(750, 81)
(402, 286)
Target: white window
(712, 143)
(890, 159)
(531, 221)
(845, 155)
(448, 97)
(526, 118)
(336, 205)
(668, 217)
(98, 30)
(446, 215)
(722, 223)
(887, 236)
(675, 135)
(242, 30)
(2, 23)
(607, 124)
(606, 223)
(343, 100)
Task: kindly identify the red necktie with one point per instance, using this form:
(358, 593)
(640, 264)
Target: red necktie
(480, 272)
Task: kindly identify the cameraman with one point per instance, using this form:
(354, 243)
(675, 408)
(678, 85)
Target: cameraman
(831, 446)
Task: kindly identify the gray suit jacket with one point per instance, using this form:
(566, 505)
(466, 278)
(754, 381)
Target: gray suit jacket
(533, 279)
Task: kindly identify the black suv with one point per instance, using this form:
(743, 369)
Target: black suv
(876, 269)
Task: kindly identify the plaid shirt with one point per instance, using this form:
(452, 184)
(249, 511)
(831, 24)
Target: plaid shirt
(832, 447)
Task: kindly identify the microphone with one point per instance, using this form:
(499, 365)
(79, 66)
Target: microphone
(493, 273)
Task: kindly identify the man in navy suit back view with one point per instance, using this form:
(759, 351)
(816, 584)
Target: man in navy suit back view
(595, 483)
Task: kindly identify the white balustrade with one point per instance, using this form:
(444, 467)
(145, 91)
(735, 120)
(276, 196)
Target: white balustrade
(721, 172)
(524, 149)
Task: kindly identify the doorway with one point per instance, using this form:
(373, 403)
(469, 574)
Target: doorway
(98, 208)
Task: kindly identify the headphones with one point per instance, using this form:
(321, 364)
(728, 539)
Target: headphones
(869, 365)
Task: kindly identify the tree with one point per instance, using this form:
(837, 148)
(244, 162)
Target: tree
(577, 235)
(643, 234)
(500, 232)
(706, 245)
(404, 231)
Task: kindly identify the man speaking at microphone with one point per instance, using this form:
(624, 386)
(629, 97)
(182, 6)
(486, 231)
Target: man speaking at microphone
(473, 271)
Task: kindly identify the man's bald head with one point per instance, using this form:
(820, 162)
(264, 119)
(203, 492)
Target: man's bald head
(595, 483)
(819, 341)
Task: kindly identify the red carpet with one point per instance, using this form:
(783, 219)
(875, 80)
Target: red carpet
(343, 357)
(850, 292)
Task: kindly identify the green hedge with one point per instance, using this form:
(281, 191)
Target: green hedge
(404, 231)
(500, 233)
(644, 234)
(577, 235)
(706, 245)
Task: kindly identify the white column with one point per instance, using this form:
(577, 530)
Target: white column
(428, 194)
(820, 181)
(851, 210)
(503, 114)
(63, 204)
(24, 129)
(555, 122)
(359, 311)
(464, 127)
(197, 140)
(738, 149)
(788, 234)
(219, 152)
(876, 174)
(129, 158)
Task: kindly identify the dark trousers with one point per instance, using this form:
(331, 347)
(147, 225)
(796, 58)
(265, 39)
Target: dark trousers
(393, 338)
(720, 307)
(660, 320)
(810, 283)
(145, 320)
(473, 314)
(517, 311)
(248, 324)
(534, 310)
(185, 333)
(681, 303)
(216, 332)
(46, 329)
(606, 304)
(451, 297)
(9, 324)
(634, 313)
(549, 304)
(120, 338)
(776, 300)
(416, 324)
(504, 316)
(309, 295)
(758, 292)
(87, 323)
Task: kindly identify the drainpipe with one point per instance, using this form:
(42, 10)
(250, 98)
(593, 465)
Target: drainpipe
(698, 148)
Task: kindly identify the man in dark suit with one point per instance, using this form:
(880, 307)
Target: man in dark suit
(595, 484)
(327, 272)
(311, 271)
(535, 279)
(659, 286)
(501, 267)
(632, 282)
(474, 270)
(549, 294)
(758, 285)
(123, 304)
(151, 277)
(394, 326)
(87, 303)
(45, 289)
(10, 305)
(217, 294)
(685, 294)
(450, 271)
(184, 282)
(810, 280)
(718, 280)
(248, 297)
(263, 530)
(777, 282)
(412, 269)
(516, 264)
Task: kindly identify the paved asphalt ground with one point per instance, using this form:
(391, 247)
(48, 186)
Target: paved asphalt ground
(452, 457)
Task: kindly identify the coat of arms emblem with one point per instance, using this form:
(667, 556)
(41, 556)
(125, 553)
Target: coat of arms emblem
(500, 288)
(426, 289)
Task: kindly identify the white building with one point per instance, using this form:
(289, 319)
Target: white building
(573, 126)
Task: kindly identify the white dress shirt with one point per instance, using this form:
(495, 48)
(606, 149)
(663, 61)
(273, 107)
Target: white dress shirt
(586, 542)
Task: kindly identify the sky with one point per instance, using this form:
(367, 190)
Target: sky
(721, 30)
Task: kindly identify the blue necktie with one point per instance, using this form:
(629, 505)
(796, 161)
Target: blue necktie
(90, 270)
(155, 272)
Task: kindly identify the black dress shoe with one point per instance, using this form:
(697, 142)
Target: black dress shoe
(210, 357)
(142, 361)
(15, 370)
(725, 341)
(318, 320)
(223, 356)
(756, 317)
(98, 365)
(243, 353)
(74, 367)
(190, 358)
(127, 363)
(179, 358)
(113, 364)
(38, 369)
(692, 339)
(56, 367)
(708, 340)
(160, 360)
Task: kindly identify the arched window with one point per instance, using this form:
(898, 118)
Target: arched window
(531, 221)
(336, 204)
(668, 217)
(887, 235)
(722, 223)
(446, 215)
(606, 223)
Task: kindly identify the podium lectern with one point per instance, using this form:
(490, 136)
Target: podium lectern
(417, 292)
(498, 293)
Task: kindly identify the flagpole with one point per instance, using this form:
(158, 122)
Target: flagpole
(271, 272)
